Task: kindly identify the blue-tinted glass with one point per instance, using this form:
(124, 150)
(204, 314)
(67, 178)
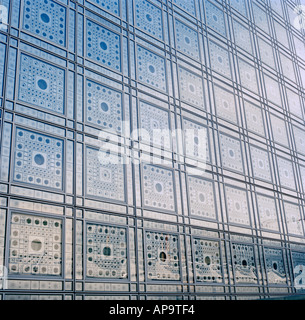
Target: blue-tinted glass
(152, 149)
(46, 19)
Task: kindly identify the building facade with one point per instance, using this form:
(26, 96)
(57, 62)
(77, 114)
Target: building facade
(152, 149)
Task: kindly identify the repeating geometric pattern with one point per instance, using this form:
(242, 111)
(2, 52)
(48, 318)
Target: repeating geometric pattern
(38, 159)
(281, 34)
(260, 18)
(41, 84)
(287, 67)
(106, 248)
(298, 260)
(299, 47)
(207, 263)
(151, 69)
(302, 73)
(195, 138)
(104, 107)
(149, 18)
(72, 69)
(201, 198)
(225, 104)
(247, 76)
(191, 88)
(299, 138)
(112, 6)
(267, 213)
(46, 19)
(277, 7)
(272, 90)
(302, 170)
(242, 36)
(237, 206)
(220, 60)
(188, 6)
(254, 118)
(187, 40)
(35, 245)
(230, 151)
(244, 263)
(275, 267)
(105, 176)
(294, 103)
(240, 6)
(103, 45)
(162, 256)
(266, 53)
(156, 122)
(260, 164)
(279, 130)
(291, 14)
(286, 174)
(158, 188)
(215, 18)
(293, 219)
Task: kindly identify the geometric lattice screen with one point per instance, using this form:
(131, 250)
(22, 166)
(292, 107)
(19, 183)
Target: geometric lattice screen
(152, 149)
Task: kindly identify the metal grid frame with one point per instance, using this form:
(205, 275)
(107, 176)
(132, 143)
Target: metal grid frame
(73, 203)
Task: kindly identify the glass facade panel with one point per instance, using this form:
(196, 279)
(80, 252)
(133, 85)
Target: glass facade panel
(152, 149)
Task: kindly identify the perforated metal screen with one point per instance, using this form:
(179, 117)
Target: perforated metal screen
(198, 108)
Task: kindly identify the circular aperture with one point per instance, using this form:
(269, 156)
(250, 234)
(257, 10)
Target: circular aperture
(207, 260)
(42, 84)
(149, 17)
(103, 45)
(244, 263)
(231, 153)
(237, 206)
(159, 187)
(104, 106)
(36, 245)
(275, 266)
(201, 197)
(162, 256)
(45, 18)
(155, 124)
(192, 88)
(107, 251)
(39, 159)
(187, 40)
(151, 69)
